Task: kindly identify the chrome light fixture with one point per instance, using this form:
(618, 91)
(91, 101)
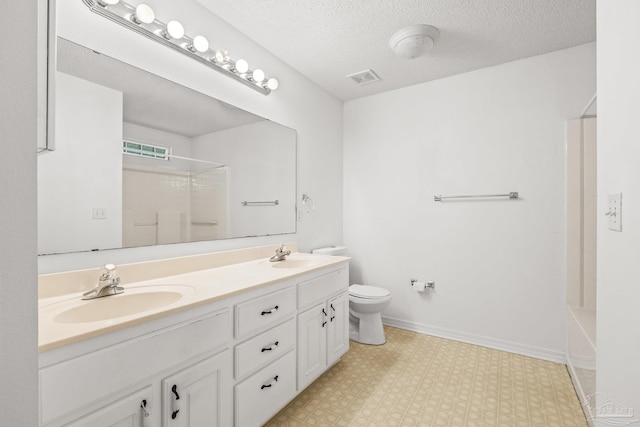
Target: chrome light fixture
(142, 20)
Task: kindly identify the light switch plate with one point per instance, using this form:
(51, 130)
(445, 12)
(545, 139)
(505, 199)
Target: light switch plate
(615, 212)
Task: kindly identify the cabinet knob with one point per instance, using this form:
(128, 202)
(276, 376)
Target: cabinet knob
(175, 406)
(145, 413)
(271, 311)
(271, 347)
(272, 383)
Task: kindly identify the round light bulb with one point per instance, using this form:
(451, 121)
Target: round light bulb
(272, 84)
(200, 43)
(144, 14)
(222, 56)
(175, 30)
(242, 66)
(258, 75)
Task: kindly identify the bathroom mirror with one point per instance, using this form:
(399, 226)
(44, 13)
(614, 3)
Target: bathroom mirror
(140, 160)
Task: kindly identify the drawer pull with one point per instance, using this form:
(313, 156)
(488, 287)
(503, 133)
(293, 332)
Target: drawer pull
(145, 413)
(334, 311)
(273, 382)
(324, 317)
(175, 406)
(274, 345)
(273, 310)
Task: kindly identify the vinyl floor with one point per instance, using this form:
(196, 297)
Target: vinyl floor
(421, 380)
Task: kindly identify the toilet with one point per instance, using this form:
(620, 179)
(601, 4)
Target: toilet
(365, 305)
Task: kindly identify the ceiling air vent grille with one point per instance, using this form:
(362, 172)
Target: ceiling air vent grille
(364, 77)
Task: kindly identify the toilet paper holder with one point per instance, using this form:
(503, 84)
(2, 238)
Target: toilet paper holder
(430, 284)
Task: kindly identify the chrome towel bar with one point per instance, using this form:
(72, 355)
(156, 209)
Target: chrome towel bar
(268, 203)
(511, 195)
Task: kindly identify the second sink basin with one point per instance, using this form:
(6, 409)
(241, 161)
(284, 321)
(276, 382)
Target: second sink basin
(294, 263)
(132, 301)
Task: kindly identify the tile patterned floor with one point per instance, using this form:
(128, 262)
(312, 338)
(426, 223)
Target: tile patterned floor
(420, 380)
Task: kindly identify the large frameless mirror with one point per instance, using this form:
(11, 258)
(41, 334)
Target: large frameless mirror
(140, 160)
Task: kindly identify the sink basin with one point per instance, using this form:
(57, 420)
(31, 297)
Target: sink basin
(294, 263)
(134, 301)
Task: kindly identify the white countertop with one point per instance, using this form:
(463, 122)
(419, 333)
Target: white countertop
(197, 288)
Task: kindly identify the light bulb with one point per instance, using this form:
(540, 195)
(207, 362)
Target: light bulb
(175, 30)
(258, 75)
(108, 2)
(242, 66)
(144, 14)
(272, 84)
(200, 43)
(222, 56)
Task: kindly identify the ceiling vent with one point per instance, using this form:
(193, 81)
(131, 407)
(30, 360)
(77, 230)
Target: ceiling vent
(364, 77)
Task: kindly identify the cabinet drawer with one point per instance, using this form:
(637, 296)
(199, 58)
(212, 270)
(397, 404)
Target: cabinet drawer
(262, 312)
(320, 288)
(265, 348)
(264, 393)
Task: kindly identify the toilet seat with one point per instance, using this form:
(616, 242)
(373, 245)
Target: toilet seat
(368, 292)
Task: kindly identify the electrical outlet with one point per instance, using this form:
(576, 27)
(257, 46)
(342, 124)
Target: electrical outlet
(99, 213)
(615, 212)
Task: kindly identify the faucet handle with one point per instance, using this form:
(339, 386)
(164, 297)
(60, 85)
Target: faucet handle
(109, 272)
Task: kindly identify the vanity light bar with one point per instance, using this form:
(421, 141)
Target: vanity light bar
(141, 19)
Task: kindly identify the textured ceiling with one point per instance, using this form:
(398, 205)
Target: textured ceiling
(328, 39)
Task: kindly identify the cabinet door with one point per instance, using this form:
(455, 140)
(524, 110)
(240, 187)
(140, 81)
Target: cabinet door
(312, 344)
(131, 411)
(338, 328)
(199, 395)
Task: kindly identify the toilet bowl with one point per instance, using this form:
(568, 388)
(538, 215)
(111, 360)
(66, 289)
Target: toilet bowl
(365, 305)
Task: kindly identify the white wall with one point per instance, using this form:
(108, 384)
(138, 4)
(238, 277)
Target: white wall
(498, 264)
(260, 160)
(18, 127)
(298, 104)
(618, 342)
(87, 165)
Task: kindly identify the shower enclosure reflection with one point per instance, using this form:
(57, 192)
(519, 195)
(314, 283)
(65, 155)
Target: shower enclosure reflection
(184, 204)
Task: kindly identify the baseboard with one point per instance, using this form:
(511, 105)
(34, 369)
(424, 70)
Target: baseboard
(497, 344)
(584, 402)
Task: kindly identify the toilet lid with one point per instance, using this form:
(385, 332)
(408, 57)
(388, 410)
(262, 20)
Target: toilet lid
(364, 291)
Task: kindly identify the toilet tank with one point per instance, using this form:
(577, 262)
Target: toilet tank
(331, 250)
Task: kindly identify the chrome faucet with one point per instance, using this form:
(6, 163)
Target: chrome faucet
(281, 254)
(107, 284)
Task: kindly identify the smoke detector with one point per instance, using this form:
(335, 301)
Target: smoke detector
(412, 42)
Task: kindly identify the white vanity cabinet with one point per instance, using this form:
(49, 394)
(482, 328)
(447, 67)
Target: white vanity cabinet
(235, 361)
(323, 324)
(126, 383)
